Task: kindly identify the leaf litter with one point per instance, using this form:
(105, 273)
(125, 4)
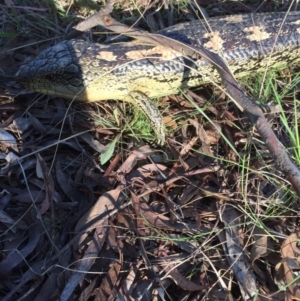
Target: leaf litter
(145, 225)
(84, 217)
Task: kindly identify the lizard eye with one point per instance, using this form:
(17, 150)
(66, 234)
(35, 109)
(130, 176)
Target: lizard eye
(50, 77)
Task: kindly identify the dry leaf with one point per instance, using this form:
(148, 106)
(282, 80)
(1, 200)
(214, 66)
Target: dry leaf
(235, 253)
(15, 257)
(86, 261)
(98, 213)
(7, 140)
(139, 154)
(260, 248)
(290, 264)
(108, 283)
(178, 278)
